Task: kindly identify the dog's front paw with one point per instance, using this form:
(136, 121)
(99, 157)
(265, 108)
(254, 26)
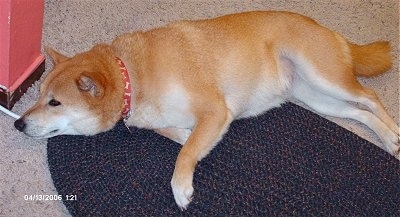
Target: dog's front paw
(182, 189)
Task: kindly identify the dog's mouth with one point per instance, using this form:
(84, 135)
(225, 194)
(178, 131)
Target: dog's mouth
(50, 134)
(53, 131)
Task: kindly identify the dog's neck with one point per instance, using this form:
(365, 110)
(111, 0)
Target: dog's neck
(126, 110)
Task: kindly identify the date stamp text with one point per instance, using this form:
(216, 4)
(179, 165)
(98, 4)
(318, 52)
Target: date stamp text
(50, 197)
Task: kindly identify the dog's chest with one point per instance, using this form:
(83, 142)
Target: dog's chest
(168, 109)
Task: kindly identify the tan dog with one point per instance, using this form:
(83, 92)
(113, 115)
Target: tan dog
(191, 79)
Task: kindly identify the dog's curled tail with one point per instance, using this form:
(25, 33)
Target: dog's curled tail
(371, 59)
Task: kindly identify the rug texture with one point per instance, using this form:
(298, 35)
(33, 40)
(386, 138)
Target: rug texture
(287, 162)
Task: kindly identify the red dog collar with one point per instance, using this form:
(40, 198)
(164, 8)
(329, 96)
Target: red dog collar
(126, 111)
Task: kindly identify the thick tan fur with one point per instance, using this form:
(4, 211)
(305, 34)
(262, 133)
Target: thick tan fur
(191, 79)
(371, 59)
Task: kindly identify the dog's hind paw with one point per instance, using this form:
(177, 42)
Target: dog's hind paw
(397, 154)
(392, 143)
(396, 150)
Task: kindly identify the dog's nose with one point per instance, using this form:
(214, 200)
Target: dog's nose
(20, 124)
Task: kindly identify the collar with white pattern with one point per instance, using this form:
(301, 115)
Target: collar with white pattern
(126, 111)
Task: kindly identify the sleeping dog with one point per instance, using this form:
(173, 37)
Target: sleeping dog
(190, 79)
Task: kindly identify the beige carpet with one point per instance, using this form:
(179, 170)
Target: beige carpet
(72, 26)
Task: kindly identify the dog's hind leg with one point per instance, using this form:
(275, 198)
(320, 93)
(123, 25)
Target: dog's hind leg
(325, 79)
(335, 104)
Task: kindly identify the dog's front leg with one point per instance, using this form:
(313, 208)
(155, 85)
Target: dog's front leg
(206, 134)
(178, 135)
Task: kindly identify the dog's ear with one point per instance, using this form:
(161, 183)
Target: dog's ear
(56, 56)
(91, 83)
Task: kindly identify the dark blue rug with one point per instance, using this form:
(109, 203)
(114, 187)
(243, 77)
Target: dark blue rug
(287, 162)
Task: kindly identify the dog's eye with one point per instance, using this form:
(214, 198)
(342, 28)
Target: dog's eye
(54, 102)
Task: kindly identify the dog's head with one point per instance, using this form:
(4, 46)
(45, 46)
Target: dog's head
(82, 95)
